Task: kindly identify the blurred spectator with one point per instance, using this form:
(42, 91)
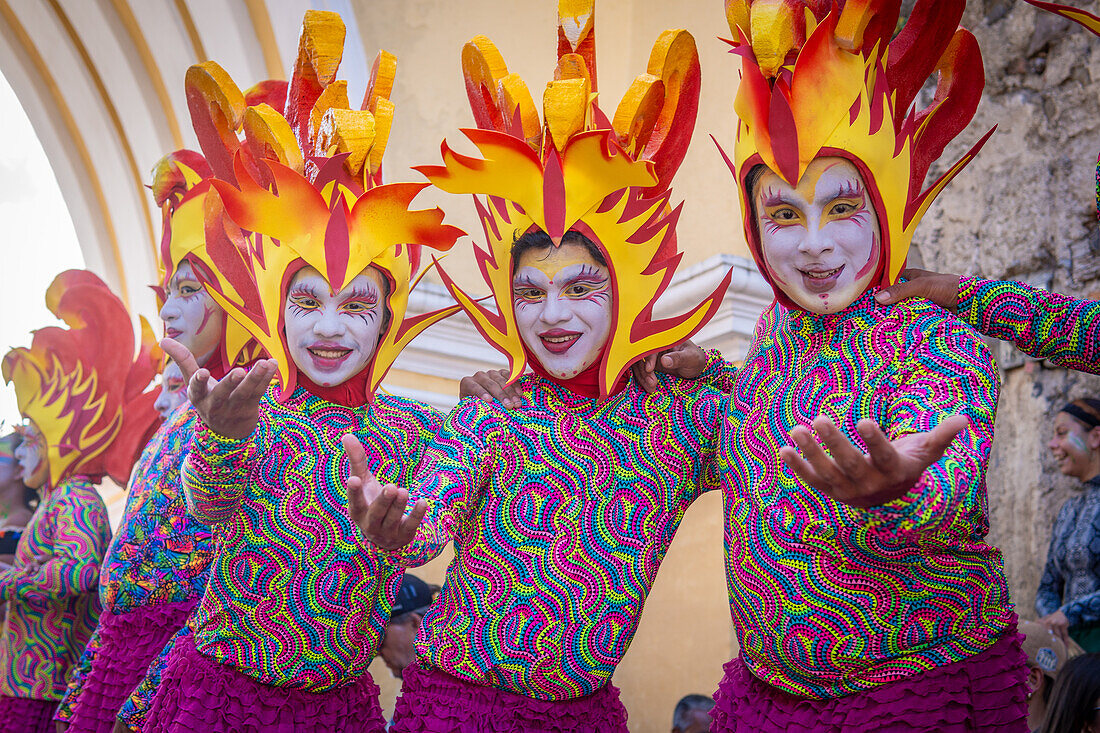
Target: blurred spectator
(413, 599)
(1046, 655)
(1075, 699)
(173, 390)
(17, 501)
(692, 714)
(1069, 593)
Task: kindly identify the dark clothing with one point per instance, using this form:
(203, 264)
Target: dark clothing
(1071, 580)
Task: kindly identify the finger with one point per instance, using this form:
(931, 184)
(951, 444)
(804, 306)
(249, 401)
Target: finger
(222, 390)
(847, 456)
(411, 523)
(815, 455)
(941, 436)
(198, 387)
(358, 506)
(357, 456)
(255, 382)
(392, 521)
(469, 387)
(801, 468)
(183, 357)
(900, 291)
(883, 455)
(377, 512)
(643, 373)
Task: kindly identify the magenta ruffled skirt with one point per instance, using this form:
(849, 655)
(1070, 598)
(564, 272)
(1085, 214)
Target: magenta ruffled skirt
(984, 692)
(128, 643)
(198, 694)
(435, 701)
(23, 715)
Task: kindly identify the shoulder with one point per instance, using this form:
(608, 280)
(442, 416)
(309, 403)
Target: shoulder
(929, 329)
(405, 407)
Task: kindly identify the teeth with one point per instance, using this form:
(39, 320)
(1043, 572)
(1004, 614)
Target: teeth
(821, 275)
(329, 353)
(558, 339)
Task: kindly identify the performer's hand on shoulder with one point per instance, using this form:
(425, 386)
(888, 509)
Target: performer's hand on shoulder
(491, 385)
(886, 472)
(684, 360)
(1059, 624)
(229, 406)
(379, 510)
(943, 290)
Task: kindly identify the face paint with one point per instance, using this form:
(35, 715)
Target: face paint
(820, 239)
(562, 302)
(333, 337)
(173, 390)
(29, 456)
(190, 315)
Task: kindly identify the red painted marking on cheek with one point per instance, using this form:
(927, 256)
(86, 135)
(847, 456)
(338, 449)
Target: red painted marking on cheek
(872, 260)
(207, 311)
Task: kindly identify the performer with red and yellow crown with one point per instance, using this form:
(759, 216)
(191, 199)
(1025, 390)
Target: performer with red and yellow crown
(560, 510)
(82, 391)
(863, 591)
(156, 567)
(313, 256)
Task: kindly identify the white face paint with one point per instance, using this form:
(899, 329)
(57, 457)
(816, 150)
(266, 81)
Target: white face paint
(562, 301)
(333, 337)
(173, 390)
(29, 456)
(190, 315)
(820, 239)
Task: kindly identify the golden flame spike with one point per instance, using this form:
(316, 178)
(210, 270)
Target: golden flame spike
(737, 15)
(382, 76)
(383, 123)
(269, 137)
(577, 33)
(514, 94)
(638, 112)
(320, 49)
(335, 96)
(775, 32)
(347, 131)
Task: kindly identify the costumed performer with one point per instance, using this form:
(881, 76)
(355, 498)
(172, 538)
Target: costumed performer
(862, 589)
(82, 391)
(173, 390)
(297, 600)
(562, 509)
(155, 569)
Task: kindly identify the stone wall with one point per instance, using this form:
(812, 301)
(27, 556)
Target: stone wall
(1025, 209)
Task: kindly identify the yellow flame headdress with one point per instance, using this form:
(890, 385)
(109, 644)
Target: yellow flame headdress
(577, 170)
(83, 387)
(824, 78)
(306, 184)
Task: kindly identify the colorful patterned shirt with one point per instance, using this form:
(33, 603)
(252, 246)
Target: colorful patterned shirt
(1071, 579)
(829, 599)
(560, 512)
(52, 611)
(160, 553)
(1042, 324)
(297, 598)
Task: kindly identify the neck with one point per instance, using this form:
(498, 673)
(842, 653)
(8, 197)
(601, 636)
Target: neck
(1036, 711)
(349, 393)
(585, 384)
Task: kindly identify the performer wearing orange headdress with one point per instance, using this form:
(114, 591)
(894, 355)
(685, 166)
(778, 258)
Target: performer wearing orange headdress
(82, 391)
(297, 601)
(560, 510)
(155, 569)
(864, 594)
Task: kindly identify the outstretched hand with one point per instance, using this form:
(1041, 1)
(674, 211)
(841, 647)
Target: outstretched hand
(379, 510)
(943, 290)
(684, 360)
(886, 472)
(491, 385)
(229, 406)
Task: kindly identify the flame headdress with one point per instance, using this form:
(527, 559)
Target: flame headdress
(306, 184)
(83, 386)
(824, 78)
(577, 170)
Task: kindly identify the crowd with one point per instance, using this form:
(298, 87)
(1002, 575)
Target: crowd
(277, 495)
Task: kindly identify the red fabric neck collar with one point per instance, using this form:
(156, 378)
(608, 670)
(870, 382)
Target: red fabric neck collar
(585, 384)
(352, 393)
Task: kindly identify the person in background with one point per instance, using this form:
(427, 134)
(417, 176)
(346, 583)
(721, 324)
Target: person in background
(692, 714)
(173, 390)
(17, 500)
(1075, 699)
(1046, 655)
(398, 650)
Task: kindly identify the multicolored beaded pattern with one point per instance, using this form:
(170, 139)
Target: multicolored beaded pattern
(296, 597)
(52, 611)
(828, 599)
(1042, 324)
(561, 512)
(134, 710)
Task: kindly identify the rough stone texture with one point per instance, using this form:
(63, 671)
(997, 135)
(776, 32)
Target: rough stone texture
(1025, 209)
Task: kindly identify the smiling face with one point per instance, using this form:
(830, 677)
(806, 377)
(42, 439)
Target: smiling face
(562, 301)
(190, 315)
(31, 457)
(820, 239)
(333, 337)
(173, 390)
(1075, 447)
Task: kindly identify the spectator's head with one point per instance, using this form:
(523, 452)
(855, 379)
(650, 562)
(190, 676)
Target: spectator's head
(692, 714)
(398, 650)
(1075, 443)
(17, 500)
(1046, 655)
(1075, 698)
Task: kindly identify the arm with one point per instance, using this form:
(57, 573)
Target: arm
(1042, 324)
(1048, 598)
(717, 372)
(1083, 611)
(215, 472)
(77, 677)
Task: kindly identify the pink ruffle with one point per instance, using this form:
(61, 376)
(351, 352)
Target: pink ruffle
(128, 643)
(24, 715)
(198, 694)
(435, 701)
(984, 692)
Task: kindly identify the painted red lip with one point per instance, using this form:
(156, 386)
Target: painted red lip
(558, 340)
(819, 279)
(328, 357)
(172, 332)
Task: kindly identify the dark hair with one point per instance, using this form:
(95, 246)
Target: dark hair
(536, 239)
(1085, 411)
(687, 704)
(406, 618)
(1073, 699)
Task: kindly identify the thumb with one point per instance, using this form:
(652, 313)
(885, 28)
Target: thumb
(182, 356)
(900, 291)
(357, 457)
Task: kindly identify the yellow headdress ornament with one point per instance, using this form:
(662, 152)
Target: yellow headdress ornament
(577, 170)
(306, 184)
(827, 78)
(83, 386)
